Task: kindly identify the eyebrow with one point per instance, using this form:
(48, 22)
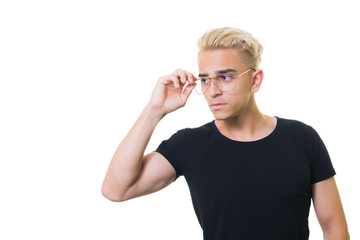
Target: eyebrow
(218, 72)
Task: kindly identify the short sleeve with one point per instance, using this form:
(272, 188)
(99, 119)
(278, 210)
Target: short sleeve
(321, 165)
(170, 150)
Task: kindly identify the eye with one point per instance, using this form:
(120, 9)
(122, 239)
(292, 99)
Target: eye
(226, 77)
(204, 80)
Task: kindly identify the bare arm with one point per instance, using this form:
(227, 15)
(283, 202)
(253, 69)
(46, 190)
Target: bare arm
(130, 173)
(329, 210)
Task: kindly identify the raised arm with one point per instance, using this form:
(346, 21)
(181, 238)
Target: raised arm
(130, 173)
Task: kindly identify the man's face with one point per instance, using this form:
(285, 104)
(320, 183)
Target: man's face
(226, 105)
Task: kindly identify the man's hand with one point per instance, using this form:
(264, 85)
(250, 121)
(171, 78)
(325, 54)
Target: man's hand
(130, 173)
(170, 92)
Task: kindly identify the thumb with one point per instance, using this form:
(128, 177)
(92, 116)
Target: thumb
(186, 93)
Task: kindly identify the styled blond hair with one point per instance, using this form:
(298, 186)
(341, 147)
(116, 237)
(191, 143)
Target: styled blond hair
(233, 38)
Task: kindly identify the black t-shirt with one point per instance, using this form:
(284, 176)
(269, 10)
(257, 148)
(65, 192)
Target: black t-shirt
(250, 190)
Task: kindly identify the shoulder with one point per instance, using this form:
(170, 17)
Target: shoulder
(304, 136)
(296, 127)
(195, 132)
(292, 123)
(300, 132)
(189, 135)
(186, 138)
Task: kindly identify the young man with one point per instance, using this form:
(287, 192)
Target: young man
(251, 176)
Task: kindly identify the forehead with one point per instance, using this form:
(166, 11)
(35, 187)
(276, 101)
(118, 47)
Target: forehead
(218, 59)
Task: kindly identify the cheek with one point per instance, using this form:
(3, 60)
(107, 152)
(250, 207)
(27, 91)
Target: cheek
(207, 98)
(238, 99)
(241, 91)
(243, 87)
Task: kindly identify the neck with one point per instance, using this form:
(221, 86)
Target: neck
(249, 125)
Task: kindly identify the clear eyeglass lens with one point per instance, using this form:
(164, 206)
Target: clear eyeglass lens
(224, 82)
(199, 88)
(227, 82)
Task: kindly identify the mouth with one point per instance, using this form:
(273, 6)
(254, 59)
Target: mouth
(217, 105)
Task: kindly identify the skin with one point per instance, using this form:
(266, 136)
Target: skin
(329, 210)
(239, 119)
(132, 174)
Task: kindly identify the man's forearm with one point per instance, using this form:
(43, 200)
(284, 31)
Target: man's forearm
(169, 94)
(126, 163)
(337, 235)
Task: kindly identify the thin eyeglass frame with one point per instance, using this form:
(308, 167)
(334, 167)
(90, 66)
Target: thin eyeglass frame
(216, 76)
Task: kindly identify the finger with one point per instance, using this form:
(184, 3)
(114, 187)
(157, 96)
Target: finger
(181, 74)
(170, 78)
(186, 93)
(190, 77)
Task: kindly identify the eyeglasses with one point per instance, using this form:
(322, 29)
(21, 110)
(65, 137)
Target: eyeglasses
(225, 82)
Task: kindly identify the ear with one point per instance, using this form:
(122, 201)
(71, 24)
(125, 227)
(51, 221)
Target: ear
(258, 76)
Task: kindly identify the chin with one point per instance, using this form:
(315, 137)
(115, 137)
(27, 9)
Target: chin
(221, 117)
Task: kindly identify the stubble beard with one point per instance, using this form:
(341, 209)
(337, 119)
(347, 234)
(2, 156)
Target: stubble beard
(221, 116)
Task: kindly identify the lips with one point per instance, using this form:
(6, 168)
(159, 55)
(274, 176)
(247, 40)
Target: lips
(217, 105)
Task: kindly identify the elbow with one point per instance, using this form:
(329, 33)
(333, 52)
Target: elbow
(112, 195)
(338, 233)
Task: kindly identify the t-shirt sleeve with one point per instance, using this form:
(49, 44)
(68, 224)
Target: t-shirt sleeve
(321, 165)
(170, 150)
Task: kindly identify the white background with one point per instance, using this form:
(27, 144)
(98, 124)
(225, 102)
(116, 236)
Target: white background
(75, 75)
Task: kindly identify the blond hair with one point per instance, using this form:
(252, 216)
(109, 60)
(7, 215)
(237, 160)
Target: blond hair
(233, 38)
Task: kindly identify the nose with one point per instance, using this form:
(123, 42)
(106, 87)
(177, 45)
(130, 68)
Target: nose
(214, 89)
